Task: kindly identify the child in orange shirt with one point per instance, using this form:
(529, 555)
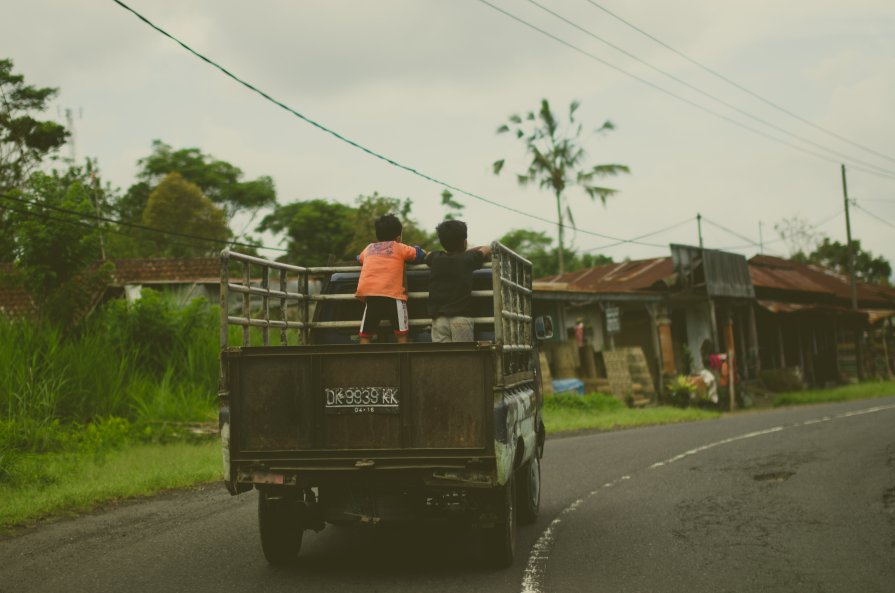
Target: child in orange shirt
(381, 282)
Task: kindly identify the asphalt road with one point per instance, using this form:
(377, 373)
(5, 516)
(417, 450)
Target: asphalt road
(789, 500)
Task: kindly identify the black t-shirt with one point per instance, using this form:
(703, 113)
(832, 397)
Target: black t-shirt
(450, 282)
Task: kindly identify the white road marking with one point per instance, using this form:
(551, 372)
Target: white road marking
(533, 577)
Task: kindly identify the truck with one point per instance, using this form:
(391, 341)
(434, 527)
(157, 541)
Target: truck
(331, 431)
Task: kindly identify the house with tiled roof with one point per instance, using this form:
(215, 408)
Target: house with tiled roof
(183, 279)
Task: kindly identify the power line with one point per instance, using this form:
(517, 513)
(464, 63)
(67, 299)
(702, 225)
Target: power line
(705, 93)
(350, 142)
(139, 226)
(822, 222)
(81, 223)
(673, 94)
(731, 232)
(657, 232)
(872, 215)
(739, 86)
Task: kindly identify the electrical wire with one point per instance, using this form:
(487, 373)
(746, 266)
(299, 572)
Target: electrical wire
(707, 94)
(872, 215)
(740, 86)
(673, 94)
(657, 232)
(731, 232)
(81, 223)
(353, 143)
(819, 224)
(140, 226)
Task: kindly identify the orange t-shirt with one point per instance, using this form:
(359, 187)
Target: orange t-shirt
(382, 271)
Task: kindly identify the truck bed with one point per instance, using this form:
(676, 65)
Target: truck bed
(392, 406)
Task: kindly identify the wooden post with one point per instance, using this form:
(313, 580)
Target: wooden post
(651, 308)
(714, 322)
(731, 363)
(780, 341)
(755, 347)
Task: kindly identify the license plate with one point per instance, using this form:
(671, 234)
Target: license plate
(362, 400)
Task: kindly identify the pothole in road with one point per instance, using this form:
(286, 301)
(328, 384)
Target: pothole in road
(773, 476)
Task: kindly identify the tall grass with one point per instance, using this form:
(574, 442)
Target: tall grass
(146, 362)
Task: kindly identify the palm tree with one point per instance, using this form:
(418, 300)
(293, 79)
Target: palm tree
(557, 160)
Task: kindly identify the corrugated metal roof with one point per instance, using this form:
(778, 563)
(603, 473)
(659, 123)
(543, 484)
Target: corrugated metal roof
(630, 276)
(779, 274)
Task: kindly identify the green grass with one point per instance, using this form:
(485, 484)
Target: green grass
(866, 390)
(568, 413)
(59, 484)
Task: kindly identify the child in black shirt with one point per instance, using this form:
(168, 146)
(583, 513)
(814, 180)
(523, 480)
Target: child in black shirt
(450, 283)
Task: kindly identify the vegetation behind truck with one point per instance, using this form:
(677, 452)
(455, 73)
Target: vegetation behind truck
(328, 430)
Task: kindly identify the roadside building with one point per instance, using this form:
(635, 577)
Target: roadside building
(773, 315)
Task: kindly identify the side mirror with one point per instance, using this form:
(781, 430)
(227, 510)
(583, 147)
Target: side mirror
(544, 327)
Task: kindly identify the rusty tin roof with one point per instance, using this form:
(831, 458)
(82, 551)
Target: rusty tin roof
(630, 276)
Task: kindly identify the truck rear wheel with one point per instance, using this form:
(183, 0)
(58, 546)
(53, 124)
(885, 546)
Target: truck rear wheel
(279, 521)
(500, 540)
(529, 491)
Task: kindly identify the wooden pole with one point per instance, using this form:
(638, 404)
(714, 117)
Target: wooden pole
(731, 363)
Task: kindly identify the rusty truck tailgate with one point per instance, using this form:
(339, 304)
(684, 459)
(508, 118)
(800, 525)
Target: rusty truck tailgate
(313, 401)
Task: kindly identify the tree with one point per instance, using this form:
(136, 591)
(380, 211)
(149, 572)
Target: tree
(557, 161)
(455, 208)
(799, 235)
(318, 229)
(369, 208)
(58, 252)
(834, 255)
(24, 140)
(219, 180)
(538, 248)
(180, 206)
(314, 229)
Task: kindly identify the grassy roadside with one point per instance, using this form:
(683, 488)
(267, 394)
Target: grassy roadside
(58, 484)
(568, 413)
(866, 390)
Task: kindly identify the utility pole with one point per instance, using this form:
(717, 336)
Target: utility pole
(859, 350)
(699, 227)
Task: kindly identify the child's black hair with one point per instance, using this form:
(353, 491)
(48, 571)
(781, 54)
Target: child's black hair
(388, 227)
(452, 234)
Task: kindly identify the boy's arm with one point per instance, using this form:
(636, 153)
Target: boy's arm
(485, 250)
(414, 254)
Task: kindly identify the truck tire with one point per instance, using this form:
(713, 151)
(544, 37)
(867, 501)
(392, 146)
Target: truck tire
(500, 540)
(279, 521)
(529, 491)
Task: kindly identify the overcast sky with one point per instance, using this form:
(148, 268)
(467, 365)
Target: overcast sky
(427, 82)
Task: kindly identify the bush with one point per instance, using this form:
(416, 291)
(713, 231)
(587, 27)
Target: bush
(594, 402)
(681, 391)
(150, 361)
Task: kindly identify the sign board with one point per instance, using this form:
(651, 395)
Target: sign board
(718, 273)
(613, 320)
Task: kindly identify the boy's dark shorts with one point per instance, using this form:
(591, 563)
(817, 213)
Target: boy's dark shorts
(379, 308)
